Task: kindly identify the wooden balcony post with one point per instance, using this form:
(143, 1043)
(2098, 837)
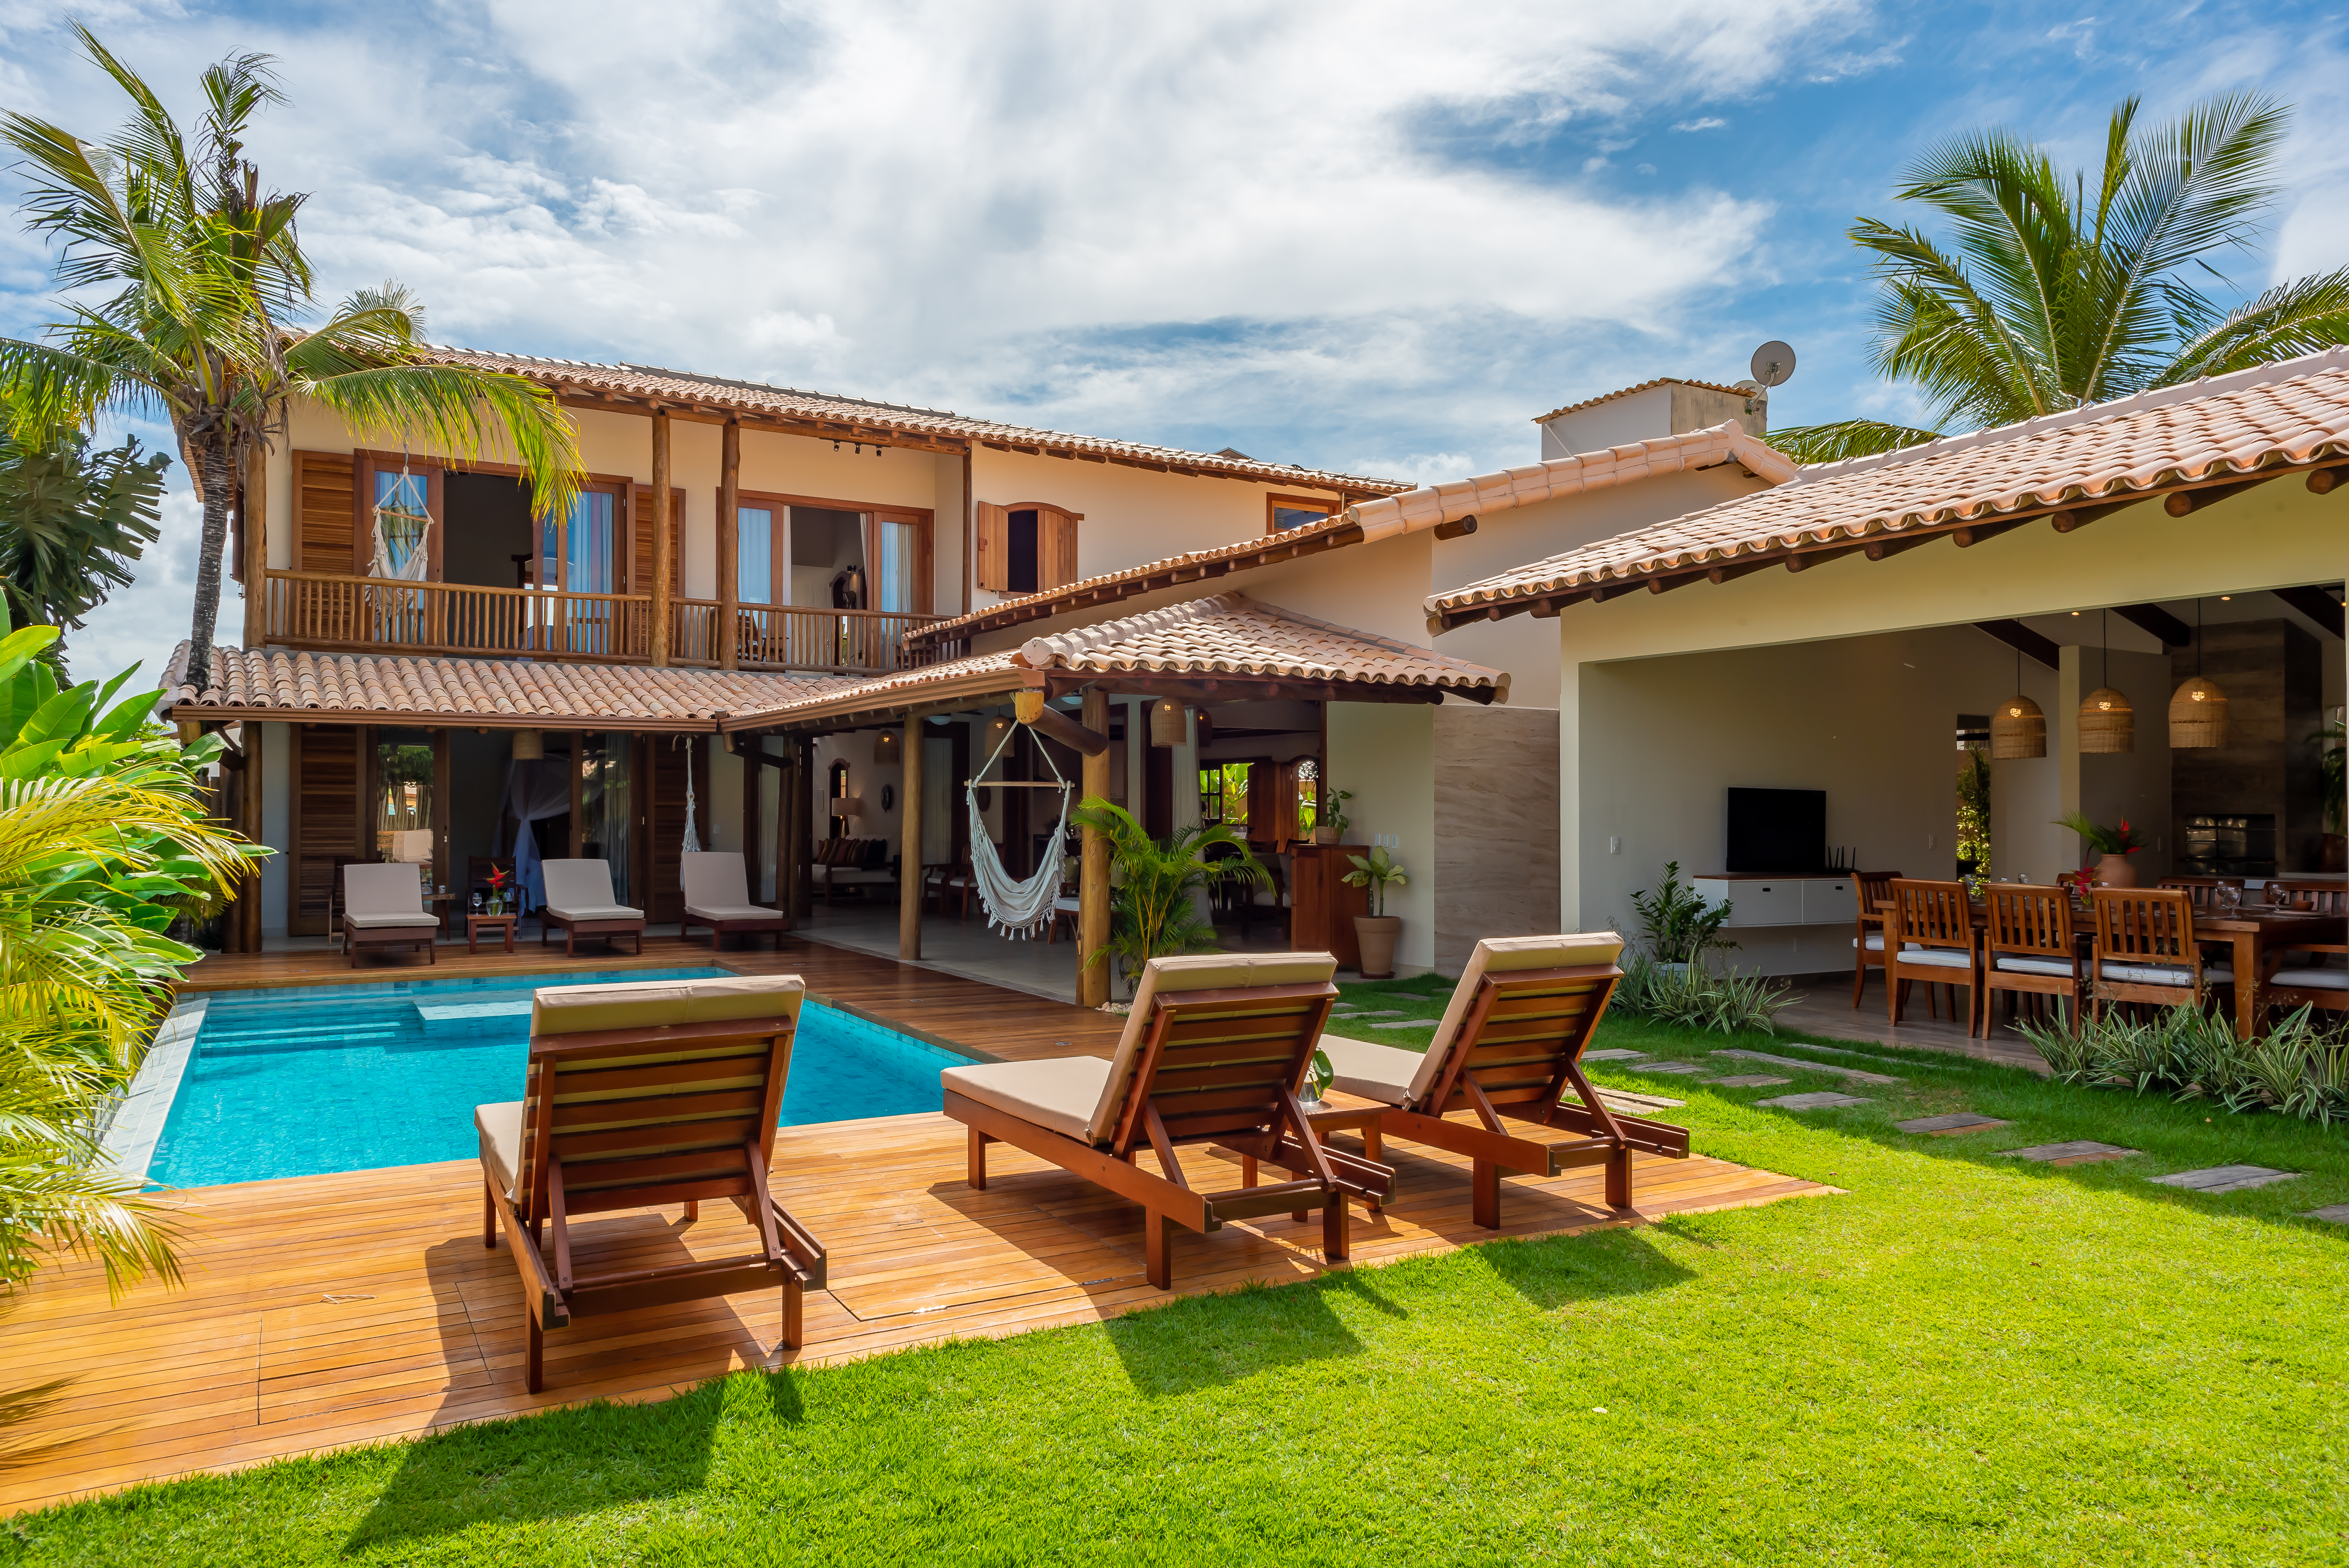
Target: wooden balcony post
(252, 509)
(729, 592)
(910, 862)
(1092, 874)
(664, 563)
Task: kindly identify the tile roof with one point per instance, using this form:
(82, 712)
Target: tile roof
(1214, 638)
(503, 693)
(850, 418)
(1409, 512)
(1642, 386)
(2288, 415)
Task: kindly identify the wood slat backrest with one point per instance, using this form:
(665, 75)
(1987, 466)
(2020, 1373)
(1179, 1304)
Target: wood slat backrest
(1219, 1062)
(2322, 898)
(2141, 925)
(1523, 1030)
(637, 1116)
(1874, 888)
(2202, 890)
(2034, 921)
(1931, 914)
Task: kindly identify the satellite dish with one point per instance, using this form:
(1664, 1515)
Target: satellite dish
(1774, 363)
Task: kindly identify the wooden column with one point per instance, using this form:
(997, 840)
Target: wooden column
(250, 801)
(1092, 876)
(579, 794)
(909, 864)
(747, 749)
(730, 560)
(253, 503)
(664, 563)
(794, 809)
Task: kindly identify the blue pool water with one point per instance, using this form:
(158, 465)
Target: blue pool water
(325, 1078)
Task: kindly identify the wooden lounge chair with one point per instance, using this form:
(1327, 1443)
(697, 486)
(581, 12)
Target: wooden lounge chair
(654, 1092)
(1212, 1053)
(579, 899)
(1510, 1045)
(718, 895)
(383, 908)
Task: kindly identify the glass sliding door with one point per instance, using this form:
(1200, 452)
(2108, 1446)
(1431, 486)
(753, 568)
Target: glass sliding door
(896, 550)
(606, 804)
(575, 554)
(754, 556)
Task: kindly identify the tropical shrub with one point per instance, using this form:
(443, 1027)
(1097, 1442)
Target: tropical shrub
(1694, 995)
(2296, 1068)
(1159, 887)
(1676, 925)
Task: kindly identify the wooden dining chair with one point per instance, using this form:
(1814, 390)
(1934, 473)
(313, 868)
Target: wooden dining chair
(2203, 891)
(2314, 973)
(2029, 947)
(1930, 937)
(2145, 949)
(1867, 935)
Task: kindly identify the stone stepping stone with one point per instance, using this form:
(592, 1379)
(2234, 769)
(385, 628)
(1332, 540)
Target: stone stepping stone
(1855, 1073)
(1673, 1068)
(2226, 1179)
(1949, 1126)
(1748, 1080)
(1382, 1013)
(1616, 1054)
(2079, 1151)
(1408, 1023)
(1819, 1101)
(2338, 1213)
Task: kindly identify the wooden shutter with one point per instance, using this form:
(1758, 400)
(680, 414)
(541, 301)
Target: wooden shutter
(1056, 548)
(326, 819)
(664, 818)
(991, 558)
(326, 513)
(640, 542)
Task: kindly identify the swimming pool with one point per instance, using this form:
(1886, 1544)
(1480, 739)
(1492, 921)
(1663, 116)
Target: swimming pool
(326, 1079)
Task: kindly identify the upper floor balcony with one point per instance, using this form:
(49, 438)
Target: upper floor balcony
(342, 613)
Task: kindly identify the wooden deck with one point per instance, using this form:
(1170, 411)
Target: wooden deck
(331, 1310)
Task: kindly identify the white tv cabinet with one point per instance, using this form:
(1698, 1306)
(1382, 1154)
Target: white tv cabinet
(1756, 899)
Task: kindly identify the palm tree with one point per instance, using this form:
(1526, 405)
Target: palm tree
(2055, 291)
(72, 523)
(204, 327)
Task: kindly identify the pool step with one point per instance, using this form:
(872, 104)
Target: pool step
(463, 1020)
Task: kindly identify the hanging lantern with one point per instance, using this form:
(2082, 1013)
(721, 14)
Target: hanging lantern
(2017, 731)
(997, 728)
(2198, 716)
(2108, 723)
(884, 748)
(1166, 726)
(529, 744)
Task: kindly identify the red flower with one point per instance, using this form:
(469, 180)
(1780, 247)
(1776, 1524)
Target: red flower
(499, 878)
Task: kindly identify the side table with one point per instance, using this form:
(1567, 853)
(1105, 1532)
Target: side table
(477, 924)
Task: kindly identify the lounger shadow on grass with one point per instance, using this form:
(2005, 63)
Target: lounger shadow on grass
(1552, 1272)
(1202, 1342)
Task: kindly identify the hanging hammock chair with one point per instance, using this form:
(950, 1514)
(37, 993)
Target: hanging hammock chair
(1021, 909)
(403, 524)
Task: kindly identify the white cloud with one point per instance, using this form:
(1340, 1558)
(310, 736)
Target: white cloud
(1710, 122)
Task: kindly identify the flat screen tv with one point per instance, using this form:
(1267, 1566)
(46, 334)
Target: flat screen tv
(1782, 831)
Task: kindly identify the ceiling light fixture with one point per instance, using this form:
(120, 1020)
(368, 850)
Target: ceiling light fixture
(2107, 722)
(2198, 711)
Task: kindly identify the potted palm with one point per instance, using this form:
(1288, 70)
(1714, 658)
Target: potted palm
(2112, 847)
(1376, 932)
(1157, 905)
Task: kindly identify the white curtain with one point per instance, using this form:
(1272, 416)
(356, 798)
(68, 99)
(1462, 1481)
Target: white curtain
(534, 791)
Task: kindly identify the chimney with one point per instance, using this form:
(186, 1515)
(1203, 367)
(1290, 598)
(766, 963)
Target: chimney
(1665, 407)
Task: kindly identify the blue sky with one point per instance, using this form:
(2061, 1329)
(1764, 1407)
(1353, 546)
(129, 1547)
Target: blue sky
(1375, 237)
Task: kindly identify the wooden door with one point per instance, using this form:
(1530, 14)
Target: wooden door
(327, 824)
(640, 542)
(1322, 906)
(666, 787)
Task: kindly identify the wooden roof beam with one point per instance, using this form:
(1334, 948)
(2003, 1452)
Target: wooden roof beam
(2164, 627)
(2015, 634)
(2317, 604)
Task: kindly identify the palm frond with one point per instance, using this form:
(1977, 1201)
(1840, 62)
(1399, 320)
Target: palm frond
(467, 412)
(1833, 443)
(2304, 317)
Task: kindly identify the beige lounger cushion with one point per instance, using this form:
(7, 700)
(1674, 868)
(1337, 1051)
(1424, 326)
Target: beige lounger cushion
(392, 922)
(1195, 972)
(595, 911)
(392, 888)
(582, 890)
(1498, 956)
(731, 912)
(648, 1004)
(1059, 1094)
(500, 1127)
(1374, 1071)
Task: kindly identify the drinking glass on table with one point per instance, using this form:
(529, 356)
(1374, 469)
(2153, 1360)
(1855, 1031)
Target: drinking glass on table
(2230, 898)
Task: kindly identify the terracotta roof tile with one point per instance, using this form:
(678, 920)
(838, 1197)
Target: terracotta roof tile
(1220, 637)
(1409, 512)
(851, 414)
(1642, 386)
(2289, 414)
(508, 692)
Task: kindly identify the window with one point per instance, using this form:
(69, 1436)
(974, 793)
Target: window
(1021, 571)
(402, 519)
(897, 553)
(1028, 547)
(1211, 795)
(1308, 795)
(754, 555)
(575, 554)
(1286, 511)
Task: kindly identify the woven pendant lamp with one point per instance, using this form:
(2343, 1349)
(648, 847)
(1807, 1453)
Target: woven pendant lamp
(1166, 726)
(2107, 722)
(2018, 730)
(884, 748)
(2197, 712)
(529, 744)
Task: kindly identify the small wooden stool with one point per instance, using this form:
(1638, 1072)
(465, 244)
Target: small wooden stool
(477, 924)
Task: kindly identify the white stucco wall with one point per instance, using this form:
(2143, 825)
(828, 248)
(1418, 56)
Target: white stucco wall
(1384, 753)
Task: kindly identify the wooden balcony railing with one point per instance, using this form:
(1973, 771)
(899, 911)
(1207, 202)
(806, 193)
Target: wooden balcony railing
(320, 610)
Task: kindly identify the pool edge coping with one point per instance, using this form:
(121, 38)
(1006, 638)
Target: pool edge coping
(136, 1124)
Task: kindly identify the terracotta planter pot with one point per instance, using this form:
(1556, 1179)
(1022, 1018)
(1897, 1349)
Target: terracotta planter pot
(1325, 835)
(1376, 934)
(2114, 871)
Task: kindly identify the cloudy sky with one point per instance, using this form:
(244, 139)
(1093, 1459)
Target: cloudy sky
(1374, 236)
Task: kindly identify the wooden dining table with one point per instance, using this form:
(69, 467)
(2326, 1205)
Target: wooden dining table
(2251, 930)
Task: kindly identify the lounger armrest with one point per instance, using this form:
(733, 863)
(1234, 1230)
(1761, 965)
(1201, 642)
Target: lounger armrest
(1654, 1137)
(814, 1263)
(549, 1306)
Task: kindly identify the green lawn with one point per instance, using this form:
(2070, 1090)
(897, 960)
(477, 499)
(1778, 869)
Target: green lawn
(1965, 1359)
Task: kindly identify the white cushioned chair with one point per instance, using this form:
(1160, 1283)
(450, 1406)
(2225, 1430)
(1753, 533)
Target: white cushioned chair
(580, 899)
(383, 908)
(718, 894)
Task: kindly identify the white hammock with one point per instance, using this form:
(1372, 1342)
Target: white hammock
(692, 845)
(1021, 909)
